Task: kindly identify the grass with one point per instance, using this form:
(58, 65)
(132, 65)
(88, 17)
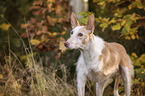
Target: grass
(34, 79)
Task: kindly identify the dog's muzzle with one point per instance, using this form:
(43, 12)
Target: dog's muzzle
(66, 44)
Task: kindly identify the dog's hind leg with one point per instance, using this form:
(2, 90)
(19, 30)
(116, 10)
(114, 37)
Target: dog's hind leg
(100, 86)
(125, 74)
(117, 79)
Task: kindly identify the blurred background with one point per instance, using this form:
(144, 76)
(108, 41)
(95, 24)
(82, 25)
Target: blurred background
(33, 59)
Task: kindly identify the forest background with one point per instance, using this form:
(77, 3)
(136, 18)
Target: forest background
(33, 59)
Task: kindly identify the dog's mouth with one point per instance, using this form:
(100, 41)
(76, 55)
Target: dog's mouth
(70, 46)
(66, 44)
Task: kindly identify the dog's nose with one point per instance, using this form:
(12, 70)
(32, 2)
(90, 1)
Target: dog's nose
(66, 44)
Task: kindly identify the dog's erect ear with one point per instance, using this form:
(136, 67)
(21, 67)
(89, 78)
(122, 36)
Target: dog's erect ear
(90, 24)
(74, 21)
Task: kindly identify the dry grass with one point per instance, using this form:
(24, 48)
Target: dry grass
(34, 79)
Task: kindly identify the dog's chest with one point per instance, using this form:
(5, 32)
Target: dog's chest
(95, 71)
(96, 76)
(92, 68)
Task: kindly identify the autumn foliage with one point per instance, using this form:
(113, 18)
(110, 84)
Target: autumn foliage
(49, 23)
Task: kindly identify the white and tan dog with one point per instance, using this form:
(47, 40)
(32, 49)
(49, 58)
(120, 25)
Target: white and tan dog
(99, 61)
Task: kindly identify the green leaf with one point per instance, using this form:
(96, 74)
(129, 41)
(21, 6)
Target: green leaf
(127, 26)
(129, 22)
(103, 25)
(101, 3)
(85, 14)
(123, 22)
(116, 27)
(135, 29)
(112, 20)
(139, 4)
(136, 81)
(127, 17)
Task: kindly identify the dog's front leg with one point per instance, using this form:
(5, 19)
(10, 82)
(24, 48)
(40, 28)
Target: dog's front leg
(81, 81)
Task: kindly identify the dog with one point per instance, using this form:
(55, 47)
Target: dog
(99, 61)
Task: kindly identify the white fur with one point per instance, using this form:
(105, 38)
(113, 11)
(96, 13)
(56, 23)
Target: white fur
(91, 53)
(74, 42)
(116, 93)
(126, 80)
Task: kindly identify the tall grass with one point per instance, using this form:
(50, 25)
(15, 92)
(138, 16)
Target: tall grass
(34, 79)
(25, 75)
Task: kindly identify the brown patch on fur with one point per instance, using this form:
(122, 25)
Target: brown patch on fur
(85, 40)
(114, 55)
(91, 36)
(88, 36)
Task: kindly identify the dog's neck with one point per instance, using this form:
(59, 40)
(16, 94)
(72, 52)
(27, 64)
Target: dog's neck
(94, 48)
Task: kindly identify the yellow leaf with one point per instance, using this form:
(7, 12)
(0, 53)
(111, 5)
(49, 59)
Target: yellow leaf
(116, 27)
(101, 3)
(133, 36)
(52, 34)
(52, 1)
(134, 54)
(35, 42)
(51, 20)
(137, 36)
(123, 22)
(142, 57)
(62, 33)
(112, 20)
(5, 26)
(103, 25)
(1, 76)
(127, 37)
(130, 6)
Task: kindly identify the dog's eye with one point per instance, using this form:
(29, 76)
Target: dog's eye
(71, 32)
(80, 34)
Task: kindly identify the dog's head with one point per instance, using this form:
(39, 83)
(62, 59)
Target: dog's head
(80, 35)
